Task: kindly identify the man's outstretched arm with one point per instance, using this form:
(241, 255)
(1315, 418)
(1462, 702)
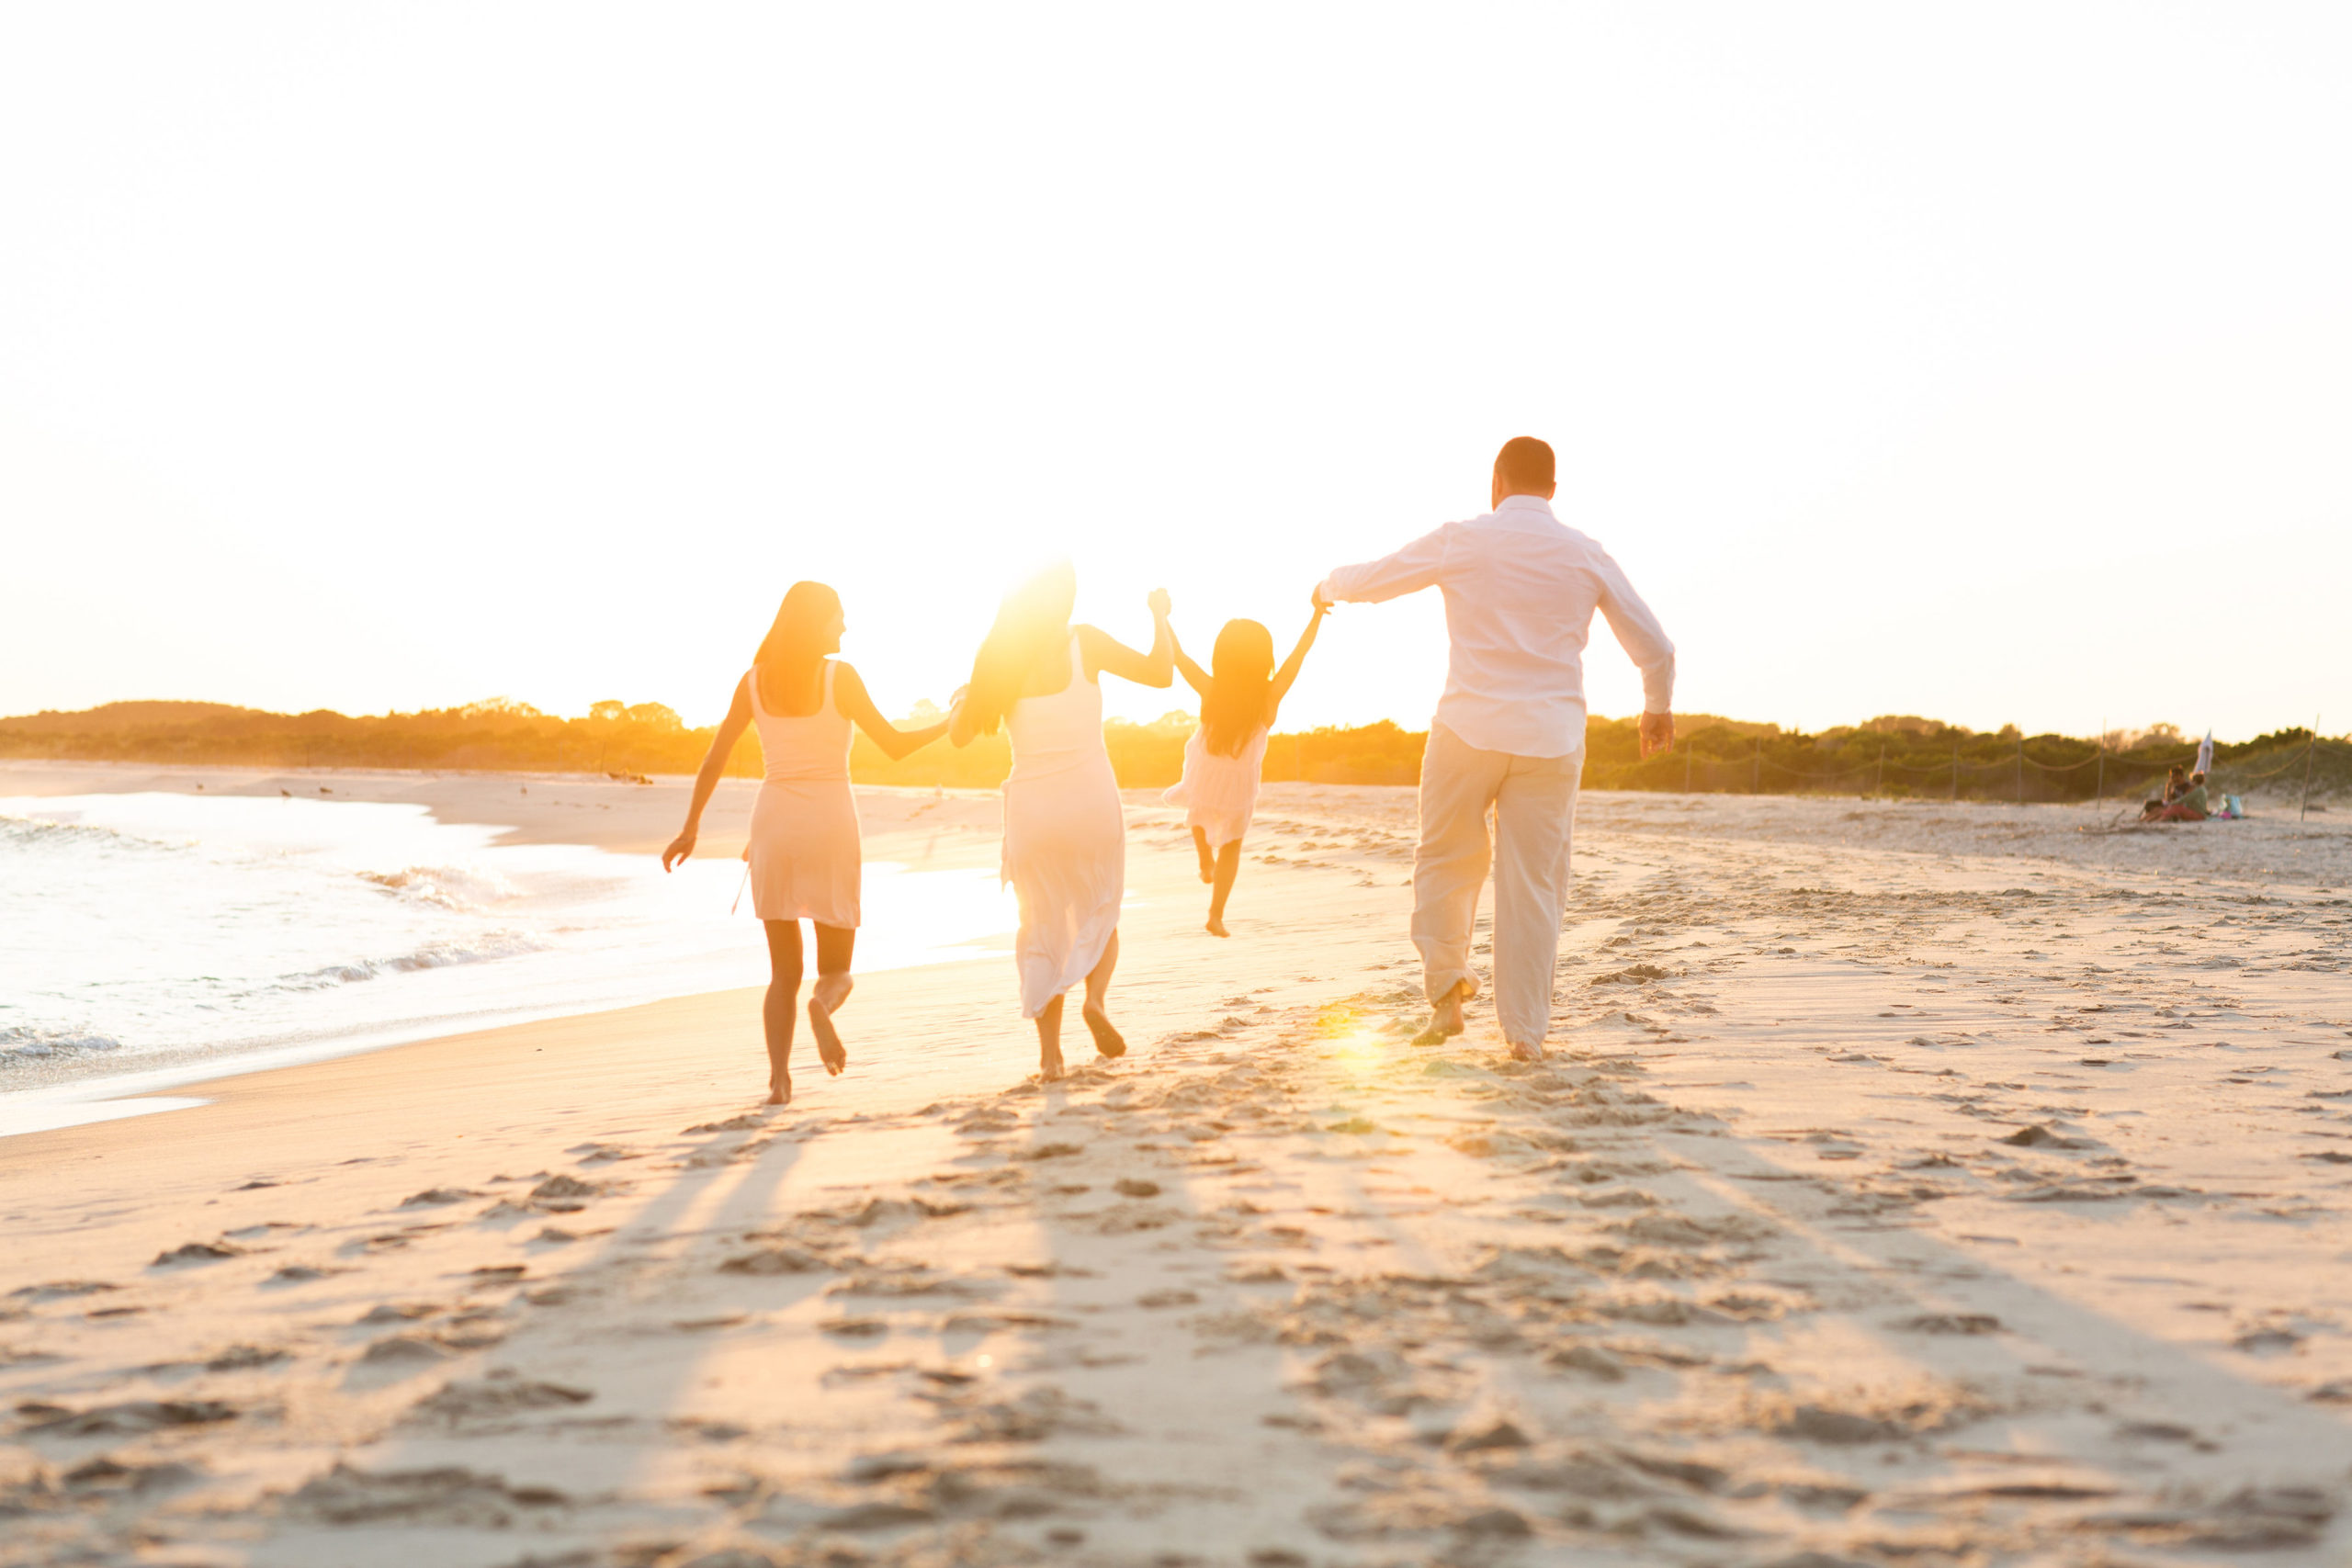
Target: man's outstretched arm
(1646, 644)
(1410, 570)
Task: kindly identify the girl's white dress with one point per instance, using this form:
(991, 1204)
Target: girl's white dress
(805, 850)
(1220, 794)
(1065, 836)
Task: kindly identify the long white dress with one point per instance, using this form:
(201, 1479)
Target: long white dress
(805, 850)
(1220, 794)
(1065, 836)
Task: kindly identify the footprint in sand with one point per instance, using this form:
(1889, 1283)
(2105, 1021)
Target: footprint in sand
(447, 1496)
(196, 1252)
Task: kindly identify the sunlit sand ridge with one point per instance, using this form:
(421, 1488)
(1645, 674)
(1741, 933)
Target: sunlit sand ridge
(1918, 1183)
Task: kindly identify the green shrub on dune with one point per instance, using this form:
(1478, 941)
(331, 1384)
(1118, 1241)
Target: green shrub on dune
(1895, 756)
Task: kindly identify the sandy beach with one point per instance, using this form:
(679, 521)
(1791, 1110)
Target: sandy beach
(1912, 1184)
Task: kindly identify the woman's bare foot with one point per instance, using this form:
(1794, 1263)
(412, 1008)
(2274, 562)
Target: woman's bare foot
(1216, 927)
(780, 1093)
(1445, 1018)
(1107, 1040)
(1049, 1063)
(824, 1000)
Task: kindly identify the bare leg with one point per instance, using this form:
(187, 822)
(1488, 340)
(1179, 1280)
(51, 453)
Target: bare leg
(783, 998)
(1107, 1040)
(834, 944)
(1200, 848)
(1228, 866)
(1049, 1041)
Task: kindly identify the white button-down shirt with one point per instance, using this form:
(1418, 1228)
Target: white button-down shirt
(1521, 588)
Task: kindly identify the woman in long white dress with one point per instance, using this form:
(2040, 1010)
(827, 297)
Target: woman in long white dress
(1065, 835)
(805, 853)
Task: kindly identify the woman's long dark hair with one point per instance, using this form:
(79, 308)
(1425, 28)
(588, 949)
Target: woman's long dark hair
(1241, 668)
(795, 647)
(1032, 622)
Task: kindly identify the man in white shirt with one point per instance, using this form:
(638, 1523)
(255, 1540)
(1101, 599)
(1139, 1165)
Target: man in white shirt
(1508, 736)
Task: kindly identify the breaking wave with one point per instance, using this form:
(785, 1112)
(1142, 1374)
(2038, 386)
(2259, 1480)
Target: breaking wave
(481, 949)
(456, 887)
(23, 1044)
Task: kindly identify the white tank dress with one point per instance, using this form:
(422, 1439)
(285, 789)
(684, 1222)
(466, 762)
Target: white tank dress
(1219, 794)
(1065, 836)
(805, 850)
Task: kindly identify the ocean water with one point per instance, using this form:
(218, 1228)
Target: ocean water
(151, 941)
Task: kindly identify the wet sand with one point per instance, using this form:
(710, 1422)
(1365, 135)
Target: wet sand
(1912, 1184)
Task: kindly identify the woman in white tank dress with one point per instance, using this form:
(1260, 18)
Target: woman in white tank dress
(1065, 835)
(804, 850)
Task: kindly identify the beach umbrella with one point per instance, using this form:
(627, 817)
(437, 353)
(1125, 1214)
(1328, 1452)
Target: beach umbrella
(2204, 754)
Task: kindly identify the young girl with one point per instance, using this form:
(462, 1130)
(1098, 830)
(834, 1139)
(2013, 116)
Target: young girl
(1224, 757)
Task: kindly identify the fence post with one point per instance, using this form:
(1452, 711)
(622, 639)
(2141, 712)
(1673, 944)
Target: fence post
(2101, 805)
(1955, 770)
(1756, 784)
(2310, 748)
(1879, 788)
(2020, 770)
(1685, 766)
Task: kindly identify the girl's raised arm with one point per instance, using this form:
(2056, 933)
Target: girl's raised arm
(1194, 676)
(1280, 687)
(714, 762)
(849, 696)
(1103, 651)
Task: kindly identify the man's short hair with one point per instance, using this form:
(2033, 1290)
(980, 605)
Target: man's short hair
(1525, 461)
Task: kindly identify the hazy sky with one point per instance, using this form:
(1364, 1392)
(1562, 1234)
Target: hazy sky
(1983, 362)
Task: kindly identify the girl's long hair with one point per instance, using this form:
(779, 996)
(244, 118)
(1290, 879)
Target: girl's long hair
(1241, 668)
(1032, 624)
(795, 647)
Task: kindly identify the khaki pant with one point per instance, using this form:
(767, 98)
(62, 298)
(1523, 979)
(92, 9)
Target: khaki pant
(1534, 804)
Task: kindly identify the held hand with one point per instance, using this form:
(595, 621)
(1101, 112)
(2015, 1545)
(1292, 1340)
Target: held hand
(680, 848)
(1658, 733)
(1158, 603)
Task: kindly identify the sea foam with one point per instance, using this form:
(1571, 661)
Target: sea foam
(151, 939)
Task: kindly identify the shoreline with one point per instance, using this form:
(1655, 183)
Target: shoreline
(917, 830)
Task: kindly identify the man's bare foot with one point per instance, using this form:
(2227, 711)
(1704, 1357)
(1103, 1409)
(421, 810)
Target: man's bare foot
(1216, 927)
(1445, 1018)
(1107, 1040)
(1524, 1053)
(829, 992)
(1049, 1063)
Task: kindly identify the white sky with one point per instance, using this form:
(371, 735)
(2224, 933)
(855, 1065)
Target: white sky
(1982, 362)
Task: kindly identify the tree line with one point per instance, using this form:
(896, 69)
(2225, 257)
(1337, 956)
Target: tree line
(1893, 755)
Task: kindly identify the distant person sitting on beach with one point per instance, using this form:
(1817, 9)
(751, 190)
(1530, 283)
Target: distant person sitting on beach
(1241, 692)
(2193, 805)
(2176, 785)
(804, 854)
